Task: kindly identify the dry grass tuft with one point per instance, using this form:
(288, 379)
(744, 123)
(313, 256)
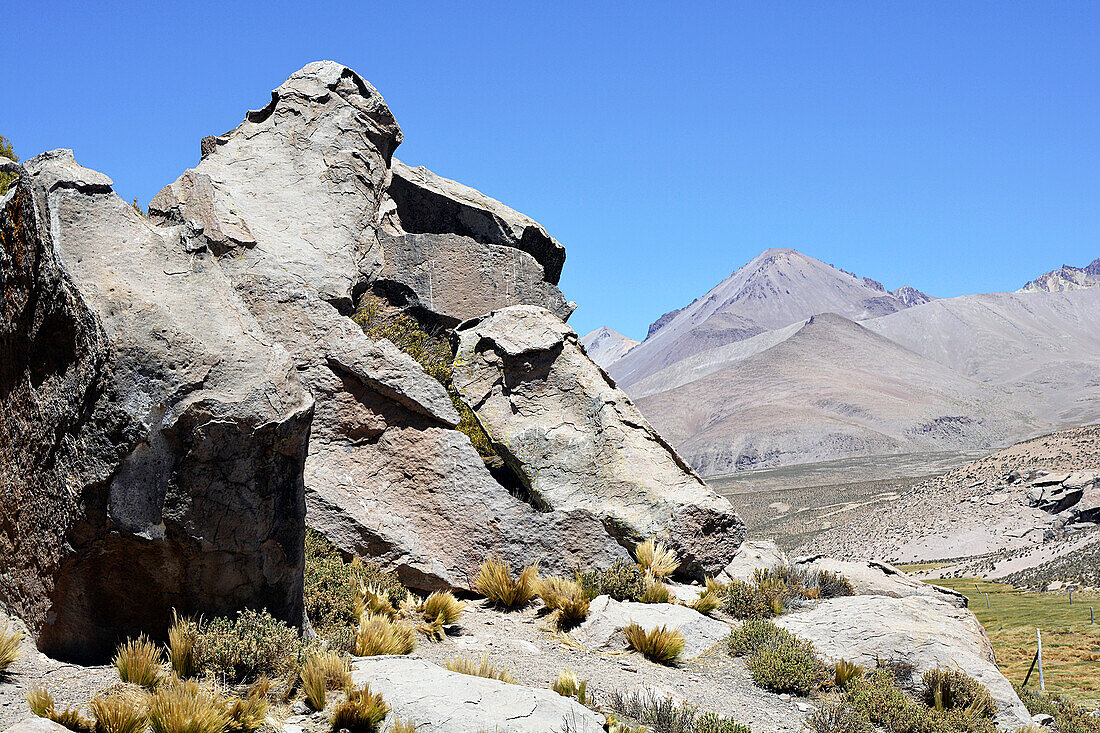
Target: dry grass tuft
(181, 645)
(479, 668)
(374, 600)
(567, 685)
(706, 602)
(655, 591)
(403, 726)
(379, 634)
(655, 559)
(120, 711)
(494, 581)
(566, 597)
(41, 704)
(10, 639)
(845, 672)
(185, 707)
(248, 713)
(662, 645)
(321, 672)
(439, 609)
(360, 712)
(138, 662)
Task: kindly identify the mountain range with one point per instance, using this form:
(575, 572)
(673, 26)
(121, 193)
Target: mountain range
(790, 360)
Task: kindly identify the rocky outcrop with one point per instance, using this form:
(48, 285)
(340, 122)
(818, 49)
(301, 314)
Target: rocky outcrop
(387, 475)
(577, 442)
(436, 700)
(925, 631)
(1077, 494)
(452, 253)
(151, 440)
(751, 556)
(878, 578)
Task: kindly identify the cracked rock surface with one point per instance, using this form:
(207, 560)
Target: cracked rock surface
(577, 441)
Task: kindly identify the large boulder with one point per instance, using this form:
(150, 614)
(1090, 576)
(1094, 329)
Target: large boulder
(436, 700)
(602, 629)
(452, 253)
(152, 441)
(387, 474)
(751, 556)
(870, 577)
(577, 442)
(926, 631)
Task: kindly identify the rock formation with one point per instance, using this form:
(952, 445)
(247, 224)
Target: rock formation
(577, 442)
(151, 439)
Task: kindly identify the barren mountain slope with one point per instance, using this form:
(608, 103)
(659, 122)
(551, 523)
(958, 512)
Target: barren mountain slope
(605, 345)
(831, 389)
(1044, 347)
(775, 289)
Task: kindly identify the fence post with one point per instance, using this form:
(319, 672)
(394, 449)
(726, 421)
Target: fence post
(1092, 616)
(1039, 655)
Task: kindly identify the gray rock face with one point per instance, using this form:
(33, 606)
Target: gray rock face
(753, 555)
(607, 617)
(436, 700)
(36, 725)
(926, 631)
(577, 442)
(152, 441)
(452, 253)
(387, 476)
(880, 579)
(1077, 493)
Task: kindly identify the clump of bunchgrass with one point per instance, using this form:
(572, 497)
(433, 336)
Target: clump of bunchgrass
(655, 559)
(403, 726)
(10, 639)
(660, 644)
(845, 671)
(655, 591)
(379, 634)
(439, 609)
(138, 662)
(944, 688)
(833, 585)
(494, 581)
(479, 668)
(181, 645)
(839, 718)
(568, 685)
(248, 713)
(41, 704)
(120, 711)
(774, 591)
(324, 671)
(706, 602)
(360, 712)
(186, 707)
(567, 598)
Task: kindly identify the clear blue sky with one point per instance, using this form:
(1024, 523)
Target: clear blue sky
(951, 146)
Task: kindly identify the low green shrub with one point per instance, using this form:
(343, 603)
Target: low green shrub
(776, 590)
(753, 635)
(951, 689)
(246, 647)
(665, 715)
(839, 718)
(623, 581)
(1070, 716)
(886, 705)
(741, 600)
(789, 665)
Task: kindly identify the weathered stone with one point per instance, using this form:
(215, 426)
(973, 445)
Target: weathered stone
(607, 617)
(879, 578)
(387, 475)
(151, 441)
(1079, 480)
(37, 725)
(753, 555)
(1088, 508)
(436, 700)
(452, 253)
(926, 631)
(577, 442)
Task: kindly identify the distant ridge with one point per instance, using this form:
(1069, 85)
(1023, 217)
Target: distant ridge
(605, 345)
(1067, 277)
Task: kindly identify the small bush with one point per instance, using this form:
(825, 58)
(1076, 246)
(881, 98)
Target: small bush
(566, 597)
(494, 581)
(378, 634)
(10, 639)
(885, 705)
(253, 644)
(479, 668)
(7, 151)
(623, 581)
(41, 704)
(833, 585)
(656, 560)
(742, 601)
(567, 685)
(787, 666)
(360, 712)
(181, 646)
(754, 635)
(1069, 716)
(951, 689)
(655, 592)
(120, 711)
(185, 707)
(138, 662)
(715, 723)
(665, 715)
(845, 671)
(900, 668)
(839, 718)
(661, 644)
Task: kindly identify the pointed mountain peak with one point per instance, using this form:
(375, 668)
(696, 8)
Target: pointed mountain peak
(1067, 277)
